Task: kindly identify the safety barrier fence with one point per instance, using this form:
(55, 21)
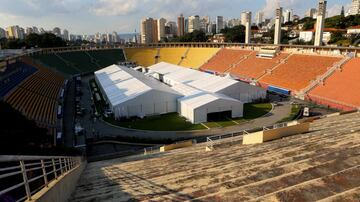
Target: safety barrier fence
(212, 141)
(23, 176)
(217, 139)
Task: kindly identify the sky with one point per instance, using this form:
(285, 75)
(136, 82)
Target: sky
(124, 16)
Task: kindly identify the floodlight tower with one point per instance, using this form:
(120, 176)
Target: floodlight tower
(320, 21)
(248, 27)
(278, 21)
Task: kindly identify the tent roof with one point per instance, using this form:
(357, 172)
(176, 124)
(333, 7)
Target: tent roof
(200, 80)
(201, 99)
(122, 84)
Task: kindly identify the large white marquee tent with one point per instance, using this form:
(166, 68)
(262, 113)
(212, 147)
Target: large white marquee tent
(174, 74)
(169, 88)
(130, 93)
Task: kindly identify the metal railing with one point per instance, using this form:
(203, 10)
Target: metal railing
(152, 150)
(231, 137)
(216, 139)
(23, 176)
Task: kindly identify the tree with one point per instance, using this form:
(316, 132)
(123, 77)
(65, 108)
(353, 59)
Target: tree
(195, 36)
(235, 34)
(336, 36)
(33, 40)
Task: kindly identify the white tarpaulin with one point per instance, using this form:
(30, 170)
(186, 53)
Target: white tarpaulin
(130, 93)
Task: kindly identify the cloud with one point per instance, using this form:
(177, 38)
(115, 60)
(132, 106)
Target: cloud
(272, 5)
(116, 7)
(336, 9)
(37, 8)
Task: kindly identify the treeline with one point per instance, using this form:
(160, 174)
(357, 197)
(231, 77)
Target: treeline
(46, 40)
(195, 36)
(341, 22)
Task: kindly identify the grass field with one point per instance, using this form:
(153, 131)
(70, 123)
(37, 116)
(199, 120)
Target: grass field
(166, 122)
(251, 111)
(174, 122)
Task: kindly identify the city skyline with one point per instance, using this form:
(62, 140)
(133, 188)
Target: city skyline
(90, 17)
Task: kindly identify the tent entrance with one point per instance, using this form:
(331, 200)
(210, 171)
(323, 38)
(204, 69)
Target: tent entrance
(219, 116)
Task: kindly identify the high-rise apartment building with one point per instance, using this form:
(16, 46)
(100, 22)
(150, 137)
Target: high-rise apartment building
(172, 27)
(355, 7)
(15, 32)
(311, 13)
(149, 31)
(287, 16)
(161, 28)
(65, 35)
(194, 23)
(219, 24)
(259, 18)
(181, 25)
(2, 33)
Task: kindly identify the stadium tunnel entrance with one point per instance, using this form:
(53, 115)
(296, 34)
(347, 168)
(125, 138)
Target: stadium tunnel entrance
(219, 116)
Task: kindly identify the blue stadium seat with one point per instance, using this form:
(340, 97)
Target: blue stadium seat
(15, 78)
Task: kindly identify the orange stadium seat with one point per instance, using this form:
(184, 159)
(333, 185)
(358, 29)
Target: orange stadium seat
(224, 59)
(298, 71)
(342, 89)
(254, 67)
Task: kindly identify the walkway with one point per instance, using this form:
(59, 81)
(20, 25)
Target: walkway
(101, 129)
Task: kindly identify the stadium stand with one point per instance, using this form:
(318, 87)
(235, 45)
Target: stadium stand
(13, 76)
(171, 55)
(195, 57)
(298, 71)
(142, 56)
(224, 60)
(320, 165)
(54, 62)
(340, 90)
(80, 62)
(107, 57)
(37, 97)
(255, 67)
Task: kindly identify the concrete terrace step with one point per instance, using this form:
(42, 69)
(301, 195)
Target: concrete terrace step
(326, 160)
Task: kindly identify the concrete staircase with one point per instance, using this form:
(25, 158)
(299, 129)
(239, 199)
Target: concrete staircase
(269, 71)
(321, 79)
(321, 165)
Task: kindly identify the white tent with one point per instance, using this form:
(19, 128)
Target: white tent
(174, 74)
(196, 108)
(131, 93)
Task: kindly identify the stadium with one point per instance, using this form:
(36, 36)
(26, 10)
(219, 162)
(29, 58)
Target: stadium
(39, 84)
(182, 121)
